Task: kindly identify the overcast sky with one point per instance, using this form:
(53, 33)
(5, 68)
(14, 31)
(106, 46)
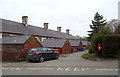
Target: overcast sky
(75, 15)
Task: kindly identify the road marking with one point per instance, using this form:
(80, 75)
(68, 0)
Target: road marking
(76, 69)
(87, 68)
(107, 69)
(11, 68)
(5, 68)
(67, 69)
(18, 68)
(71, 69)
(59, 69)
(39, 68)
(83, 69)
(6, 64)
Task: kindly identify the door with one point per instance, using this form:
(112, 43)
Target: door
(71, 50)
(60, 51)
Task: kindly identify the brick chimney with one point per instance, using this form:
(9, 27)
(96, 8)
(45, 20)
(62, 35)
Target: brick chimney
(46, 26)
(59, 29)
(67, 31)
(25, 20)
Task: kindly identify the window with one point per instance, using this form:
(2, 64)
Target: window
(34, 49)
(4, 35)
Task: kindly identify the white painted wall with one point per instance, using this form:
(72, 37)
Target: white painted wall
(43, 38)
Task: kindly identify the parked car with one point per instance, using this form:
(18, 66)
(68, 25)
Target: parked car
(41, 54)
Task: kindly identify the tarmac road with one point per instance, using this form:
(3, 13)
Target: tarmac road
(70, 64)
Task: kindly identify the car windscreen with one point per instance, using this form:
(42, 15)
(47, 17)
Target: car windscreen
(33, 50)
(45, 49)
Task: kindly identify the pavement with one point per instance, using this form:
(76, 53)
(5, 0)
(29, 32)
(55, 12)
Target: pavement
(70, 64)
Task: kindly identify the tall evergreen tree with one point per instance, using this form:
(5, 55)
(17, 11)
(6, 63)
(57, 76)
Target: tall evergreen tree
(97, 24)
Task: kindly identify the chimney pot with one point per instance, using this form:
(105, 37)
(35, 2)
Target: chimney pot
(46, 26)
(25, 20)
(59, 29)
(67, 31)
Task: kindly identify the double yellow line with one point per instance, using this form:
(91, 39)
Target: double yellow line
(11, 68)
(107, 69)
(40, 68)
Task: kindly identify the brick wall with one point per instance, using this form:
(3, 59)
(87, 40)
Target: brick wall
(74, 49)
(66, 48)
(32, 43)
(16, 52)
(11, 52)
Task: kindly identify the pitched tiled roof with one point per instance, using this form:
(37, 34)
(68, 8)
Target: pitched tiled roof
(74, 42)
(14, 39)
(85, 42)
(56, 43)
(37, 30)
(15, 27)
(59, 34)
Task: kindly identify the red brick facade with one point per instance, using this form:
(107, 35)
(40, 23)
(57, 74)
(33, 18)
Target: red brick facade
(66, 48)
(32, 43)
(16, 52)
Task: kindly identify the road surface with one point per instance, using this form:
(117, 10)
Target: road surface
(70, 64)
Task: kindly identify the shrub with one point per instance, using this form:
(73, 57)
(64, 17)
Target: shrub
(93, 46)
(90, 50)
(110, 45)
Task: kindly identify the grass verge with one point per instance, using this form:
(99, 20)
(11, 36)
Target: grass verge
(96, 58)
(89, 56)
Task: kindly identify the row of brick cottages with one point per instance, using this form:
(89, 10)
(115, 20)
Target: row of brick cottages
(13, 28)
(15, 47)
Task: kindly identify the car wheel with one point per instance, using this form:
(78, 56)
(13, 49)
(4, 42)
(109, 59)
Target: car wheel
(29, 60)
(41, 59)
(57, 56)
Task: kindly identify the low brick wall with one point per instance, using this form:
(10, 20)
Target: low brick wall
(13, 53)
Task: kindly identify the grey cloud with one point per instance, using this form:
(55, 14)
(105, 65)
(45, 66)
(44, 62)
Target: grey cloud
(73, 14)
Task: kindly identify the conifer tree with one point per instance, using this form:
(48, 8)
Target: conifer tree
(97, 24)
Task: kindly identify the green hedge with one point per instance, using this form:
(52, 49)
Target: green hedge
(94, 40)
(110, 45)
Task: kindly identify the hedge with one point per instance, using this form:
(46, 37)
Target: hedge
(110, 45)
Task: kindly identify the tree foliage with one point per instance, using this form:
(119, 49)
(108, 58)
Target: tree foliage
(107, 50)
(117, 30)
(81, 38)
(105, 30)
(97, 25)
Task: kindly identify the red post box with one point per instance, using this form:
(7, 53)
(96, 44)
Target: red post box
(99, 46)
